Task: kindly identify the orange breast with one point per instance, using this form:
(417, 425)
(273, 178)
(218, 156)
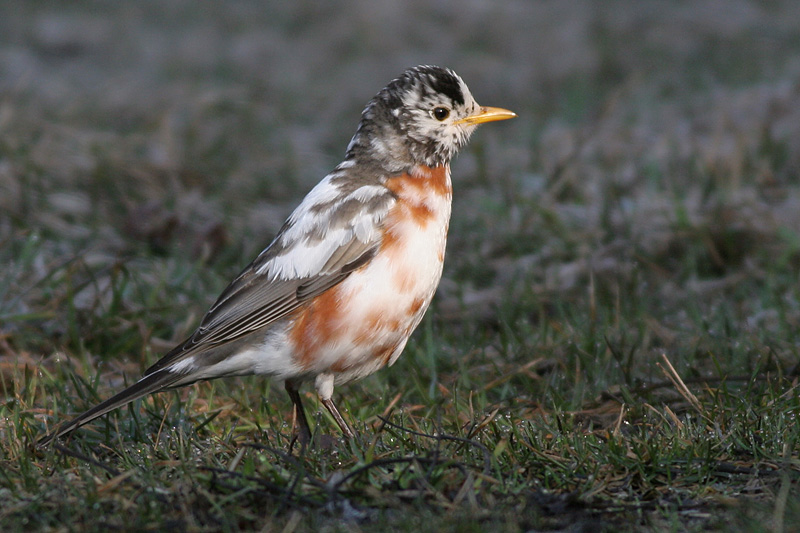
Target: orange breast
(373, 312)
(412, 191)
(415, 194)
(315, 325)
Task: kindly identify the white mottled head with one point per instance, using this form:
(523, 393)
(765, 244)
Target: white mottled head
(424, 117)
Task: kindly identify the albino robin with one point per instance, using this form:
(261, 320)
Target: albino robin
(340, 289)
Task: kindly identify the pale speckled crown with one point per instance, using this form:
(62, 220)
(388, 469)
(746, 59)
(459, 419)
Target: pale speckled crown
(397, 126)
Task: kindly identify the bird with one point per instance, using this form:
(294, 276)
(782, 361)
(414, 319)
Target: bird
(337, 293)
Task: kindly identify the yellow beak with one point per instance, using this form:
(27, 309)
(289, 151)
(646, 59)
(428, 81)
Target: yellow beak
(487, 114)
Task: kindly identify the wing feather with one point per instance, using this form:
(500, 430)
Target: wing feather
(259, 296)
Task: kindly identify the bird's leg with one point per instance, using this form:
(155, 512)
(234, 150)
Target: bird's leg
(331, 407)
(300, 429)
(324, 385)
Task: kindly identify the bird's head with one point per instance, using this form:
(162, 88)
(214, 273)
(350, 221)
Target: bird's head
(423, 117)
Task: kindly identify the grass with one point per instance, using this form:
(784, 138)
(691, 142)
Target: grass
(614, 344)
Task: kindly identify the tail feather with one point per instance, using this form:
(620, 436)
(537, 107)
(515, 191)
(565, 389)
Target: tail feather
(148, 384)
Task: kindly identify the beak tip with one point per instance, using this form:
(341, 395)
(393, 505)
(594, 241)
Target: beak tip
(488, 114)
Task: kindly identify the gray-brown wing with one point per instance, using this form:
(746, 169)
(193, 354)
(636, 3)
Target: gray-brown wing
(258, 297)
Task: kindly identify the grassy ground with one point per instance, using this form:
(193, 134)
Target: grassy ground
(614, 345)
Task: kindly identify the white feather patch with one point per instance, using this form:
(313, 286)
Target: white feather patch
(305, 254)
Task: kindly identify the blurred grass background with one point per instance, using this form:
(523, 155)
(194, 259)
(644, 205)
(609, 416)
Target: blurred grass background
(645, 203)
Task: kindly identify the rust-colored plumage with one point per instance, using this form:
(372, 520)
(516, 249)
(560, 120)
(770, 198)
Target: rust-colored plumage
(340, 289)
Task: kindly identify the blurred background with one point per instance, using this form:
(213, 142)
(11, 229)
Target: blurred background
(653, 169)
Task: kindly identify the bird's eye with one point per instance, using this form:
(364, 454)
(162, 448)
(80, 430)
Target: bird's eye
(440, 113)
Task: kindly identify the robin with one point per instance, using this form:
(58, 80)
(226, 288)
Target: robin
(348, 277)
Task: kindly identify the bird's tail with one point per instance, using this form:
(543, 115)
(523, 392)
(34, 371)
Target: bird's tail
(150, 383)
